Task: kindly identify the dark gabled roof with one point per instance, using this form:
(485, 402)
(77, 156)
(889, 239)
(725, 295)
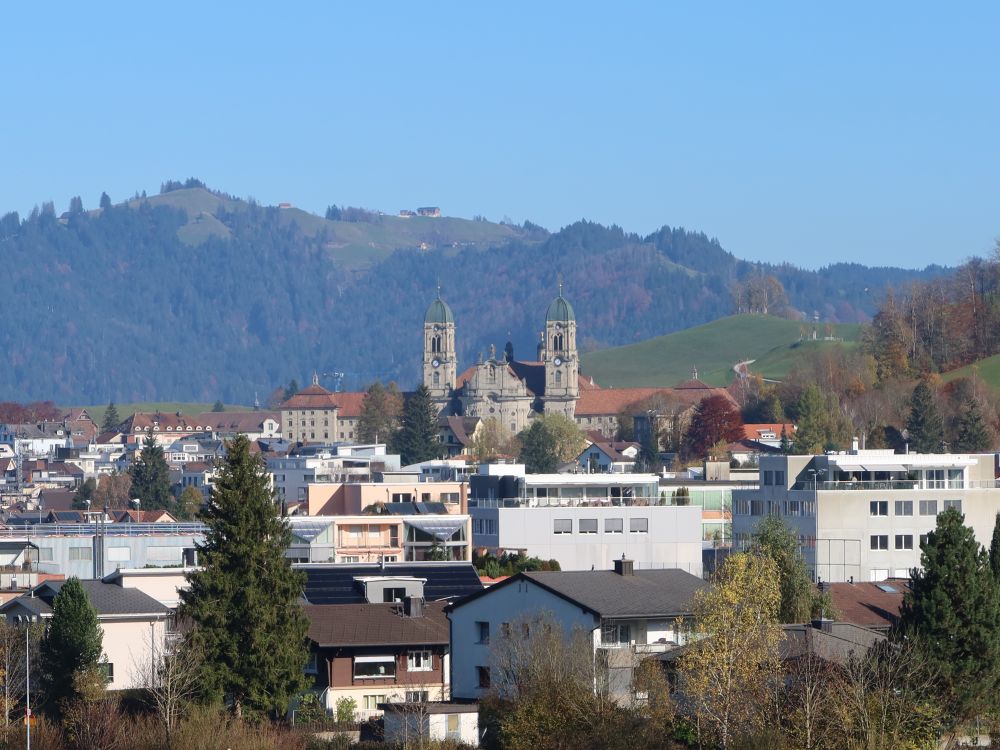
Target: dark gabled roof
(375, 625)
(835, 645)
(108, 599)
(646, 593)
(333, 583)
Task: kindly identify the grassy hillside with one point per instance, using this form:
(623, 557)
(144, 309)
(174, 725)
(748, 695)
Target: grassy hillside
(988, 370)
(713, 349)
(167, 407)
(352, 244)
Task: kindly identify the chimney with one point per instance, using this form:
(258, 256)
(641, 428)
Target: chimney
(854, 445)
(624, 567)
(413, 606)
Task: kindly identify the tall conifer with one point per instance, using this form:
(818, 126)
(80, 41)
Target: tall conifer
(925, 429)
(73, 642)
(151, 477)
(244, 600)
(973, 434)
(950, 615)
(417, 439)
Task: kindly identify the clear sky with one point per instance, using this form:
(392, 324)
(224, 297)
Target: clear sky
(801, 132)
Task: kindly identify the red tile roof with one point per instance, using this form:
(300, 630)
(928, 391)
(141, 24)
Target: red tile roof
(753, 431)
(313, 397)
(350, 403)
(235, 421)
(868, 605)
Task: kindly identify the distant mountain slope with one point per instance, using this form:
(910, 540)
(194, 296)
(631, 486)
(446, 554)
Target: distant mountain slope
(195, 296)
(774, 343)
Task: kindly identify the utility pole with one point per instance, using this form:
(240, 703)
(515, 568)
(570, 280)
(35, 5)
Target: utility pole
(27, 686)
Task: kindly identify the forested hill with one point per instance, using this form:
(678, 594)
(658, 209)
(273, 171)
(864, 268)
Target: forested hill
(194, 295)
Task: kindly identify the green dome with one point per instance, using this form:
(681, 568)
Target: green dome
(560, 311)
(439, 312)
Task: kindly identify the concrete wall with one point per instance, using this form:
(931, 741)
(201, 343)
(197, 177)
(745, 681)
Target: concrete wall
(405, 727)
(673, 539)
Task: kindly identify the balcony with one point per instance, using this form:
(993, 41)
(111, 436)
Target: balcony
(899, 484)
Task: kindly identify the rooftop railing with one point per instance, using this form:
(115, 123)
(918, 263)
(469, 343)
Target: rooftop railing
(108, 529)
(899, 484)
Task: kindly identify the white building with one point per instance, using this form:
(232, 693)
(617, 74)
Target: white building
(328, 465)
(624, 613)
(862, 514)
(584, 521)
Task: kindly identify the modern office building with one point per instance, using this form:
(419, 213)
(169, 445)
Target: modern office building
(861, 515)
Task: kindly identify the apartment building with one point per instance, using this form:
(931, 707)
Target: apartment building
(861, 515)
(380, 538)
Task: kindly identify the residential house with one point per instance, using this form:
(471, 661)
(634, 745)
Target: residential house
(625, 614)
(388, 582)
(133, 623)
(165, 428)
(225, 425)
(200, 475)
(81, 427)
(861, 515)
(378, 652)
(437, 722)
(607, 456)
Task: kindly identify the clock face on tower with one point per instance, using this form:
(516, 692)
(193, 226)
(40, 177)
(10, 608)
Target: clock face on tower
(557, 361)
(436, 362)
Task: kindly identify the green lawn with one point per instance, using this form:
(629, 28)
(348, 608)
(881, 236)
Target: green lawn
(713, 348)
(988, 370)
(168, 407)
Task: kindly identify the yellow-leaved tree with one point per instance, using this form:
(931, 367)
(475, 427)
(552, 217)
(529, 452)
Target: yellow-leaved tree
(730, 675)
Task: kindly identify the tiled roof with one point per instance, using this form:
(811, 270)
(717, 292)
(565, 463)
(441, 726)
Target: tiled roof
(334, 583)
(868, 604)
(313, 397)
(108, 599)
(375, 625)
(754, 431)
(350, 403)
(56, 499)
(236, 421)
(654, 593)
(611, 401)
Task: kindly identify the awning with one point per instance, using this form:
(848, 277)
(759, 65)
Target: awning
(374, 659)
(438, 527)
(848, 467)
(886, 467)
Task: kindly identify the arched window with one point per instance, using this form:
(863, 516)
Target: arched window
(436, 344)
(558, 376)
(437, 378)
(557, 342)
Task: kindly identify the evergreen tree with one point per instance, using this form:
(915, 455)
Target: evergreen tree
(76, 205)
(995, 550)
(72, 644)
(291, 389)
(151, 477)
(799, 600)
(379, 414)
(786, 444)
(811, 430)
(85, 493)
(417, 439)
(950, 615)
(218, 406)
(924, 425)
(105, 202)
(973, 435)
(111, 419)
(244, 600)
(538, 450)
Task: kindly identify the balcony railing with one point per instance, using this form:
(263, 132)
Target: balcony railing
(899, 484)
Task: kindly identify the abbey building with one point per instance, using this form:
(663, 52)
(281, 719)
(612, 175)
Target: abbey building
(502, 387)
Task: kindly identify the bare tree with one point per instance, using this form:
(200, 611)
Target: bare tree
(173, 673)
(14, 665)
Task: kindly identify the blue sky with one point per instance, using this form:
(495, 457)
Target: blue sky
(799, 132)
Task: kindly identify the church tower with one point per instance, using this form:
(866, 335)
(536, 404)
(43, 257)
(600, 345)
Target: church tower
(561, 359)
(440, 365)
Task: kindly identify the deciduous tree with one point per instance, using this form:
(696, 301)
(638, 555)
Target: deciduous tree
(729, 677)
(799, 598)
(538, 450)
(244, 600)
(715, 418)
(492, 440)
(380, 411)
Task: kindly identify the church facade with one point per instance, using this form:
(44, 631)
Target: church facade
(508, 390)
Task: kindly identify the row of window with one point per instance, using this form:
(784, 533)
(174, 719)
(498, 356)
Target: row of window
(371, 702)
(484, 526)
(773, 478)
(905, 507)
(378, 667)
(611, 525)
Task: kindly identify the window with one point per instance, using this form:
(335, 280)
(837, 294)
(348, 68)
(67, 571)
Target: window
(904, 507)
(928, 507)
(558, 376)
(374, 667)
(312, 665)
(483, 632)
(880, 541)
(588, 525)
(109, 670)
(483, 674)
(505, 629)
(372, 701)
(768, 478)
(879, 507)
(350, 558)
(453, 726)
(393, 594)
(419, 661)
(878, 574)
(904, 541)
(956, 504)
(613, 525)
(562, 526)
(638, 525)
(923, 539)
(81, 553)
(779, 478)
(417, 696)
(44, 554)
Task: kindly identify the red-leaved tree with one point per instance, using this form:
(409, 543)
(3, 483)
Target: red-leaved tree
(715, 418)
